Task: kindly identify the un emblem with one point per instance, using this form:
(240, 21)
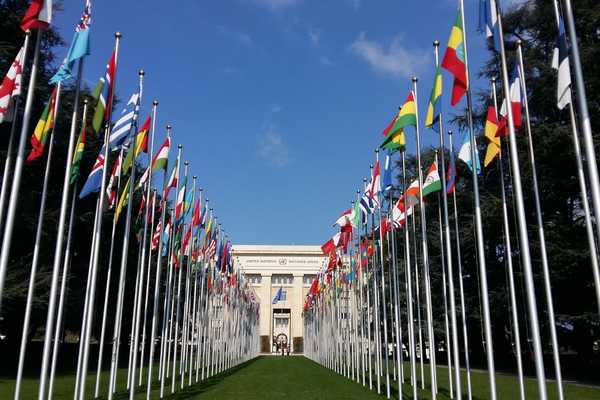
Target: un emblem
(283, 261)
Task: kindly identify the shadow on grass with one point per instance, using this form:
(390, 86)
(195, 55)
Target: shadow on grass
(194, 390)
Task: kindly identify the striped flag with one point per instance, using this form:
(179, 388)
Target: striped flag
(180, 202)
(454, 60)
(435, 101)
(465, 153)
(156, 235)
(11, 85)
(43, 128)
(140, 145)
(172, 181)
(121, 128)
(104, 94)
(78, 155)
(122, 200)
(560, 62)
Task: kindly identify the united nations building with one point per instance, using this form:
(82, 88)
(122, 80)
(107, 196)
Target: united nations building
(281, 277)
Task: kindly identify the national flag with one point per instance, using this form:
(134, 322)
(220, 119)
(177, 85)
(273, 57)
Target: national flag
(331, 244)
(179, 204)
(488, 15)
(159, 162)
(122, 200)
(121, 129)
(451, 175)
(78, 155)
(172, 181)
(407, 116)
(375, 186)
(515, 101)
(80, 45)
(11, 85)
(156, 235)
(166, 235)
(395, 141)
(137, 225)
(367, 206)
(346, 218)
(411, 194)
(432, 183)
(560, 62)
(196, 214)
(278, 296)
(454, 60)
(43, 127)
(399, 212)
(187, 202)
(141, 145)
(186, 241)
(465, 153)
(104, 94)
(387, 173)
(491, 128)
(434, 108)
(111, 188)
(38, 15)
(94, 180)
(356, 214)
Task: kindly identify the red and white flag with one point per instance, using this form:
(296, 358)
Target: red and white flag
(111, 188)
(516, 104)
(156, 235)
(331, 244)
(375, 187)
(11, 85)
(38, 15)
(346, 218)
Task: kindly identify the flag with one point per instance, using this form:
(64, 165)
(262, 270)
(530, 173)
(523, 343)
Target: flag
(43, 128)
(560, 62)
(121, 128)
(141, 145)
(451, 175)
(94, 180)
(395, 141)
(278, 296)
(104, 94)
(465, 153)
(179, 204)
(432, 183)
(346, 218)
(11, 85)
(454, 60)
(38, 15)
(78, 155)
(162, 156)
(407, 116)
(375, 186)
(488, 15)
(366, 205)
(196, 215)
(172, 181)
(156, 235)
(80, 45)
(491, 127)
(515, 101)
(122, 201)
(411, 194)
(331, 244)
(399, 212)
(111, 188)
(434, 108)
(387, 173)
(165, 238)
(356, 214)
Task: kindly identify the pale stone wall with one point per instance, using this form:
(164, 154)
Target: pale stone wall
(271, 267)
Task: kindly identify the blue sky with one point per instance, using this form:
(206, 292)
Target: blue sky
(279, 104)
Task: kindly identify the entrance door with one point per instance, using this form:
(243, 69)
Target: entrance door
(281, 330)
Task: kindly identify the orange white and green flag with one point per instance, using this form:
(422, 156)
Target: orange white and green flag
(43, 128)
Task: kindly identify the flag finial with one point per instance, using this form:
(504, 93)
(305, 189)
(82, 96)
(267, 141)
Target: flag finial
(155, 102)
(186, 163)
(415, 79)
(118, 35)
(449, 132)
(493, 79)
(141, 72)
(180, 146)
(436, 43)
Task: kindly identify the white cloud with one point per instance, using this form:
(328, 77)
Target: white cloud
(315, 36)
(326, 61)
(240, 37)
(355, 4)
(272, 148)
(275, 108)
(396, 59)
(276, 5)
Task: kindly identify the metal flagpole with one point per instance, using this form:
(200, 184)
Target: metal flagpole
(107, 290)
(396, 290)
(460, 282)
(448, 248)
(584, 116)
(522, 226)
(135, 338)
(508, 256)
(409, 300)
(59, 238)
(418, 294)
(14, 190)
(36, 252)
(479, 226)
(425, 250)
(125, 250)
(360, 285)
(370, 314)
(583, 189)
(541, 234)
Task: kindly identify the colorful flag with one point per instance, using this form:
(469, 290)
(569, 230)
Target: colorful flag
(491, 127)
(38, 15)
(196, 216)
(395, 141)
(141, 145)
(43, 128)
(94, 180)
(411, 194)
(278, 296)
(454, 61)
(432, 183)
(156, 235)
(346, 218)
(111, 188)
(80, 45)
(121, 129)
(331, 244)
(451, 175)
(407, 116)
(172, 181)
(179, 203)
(11, 85)
(399, 212)
(122, 201)
(78, 155)
(515, 101)
(375, 186)
(560, 62)
(465, 153)
(104, 95)
(387, 173)
(434, 108)
(162, 156)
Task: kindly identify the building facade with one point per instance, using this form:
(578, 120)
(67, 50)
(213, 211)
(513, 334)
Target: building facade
(281, 277)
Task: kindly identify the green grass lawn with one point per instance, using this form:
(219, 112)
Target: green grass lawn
(292, 378)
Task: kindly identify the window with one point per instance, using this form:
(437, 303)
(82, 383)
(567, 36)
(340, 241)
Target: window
(254, 279)
(308, 279)
(282, 279)
(281, 322)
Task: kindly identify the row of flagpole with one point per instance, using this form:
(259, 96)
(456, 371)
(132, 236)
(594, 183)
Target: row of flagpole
(212, 326)
(359, 259)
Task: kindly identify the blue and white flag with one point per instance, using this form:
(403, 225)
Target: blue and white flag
(387, 173)
(560, 62)
(465, 153)
(122, 128)
(94, 180)
(80, 46)
(278, 296)
(488, 16)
